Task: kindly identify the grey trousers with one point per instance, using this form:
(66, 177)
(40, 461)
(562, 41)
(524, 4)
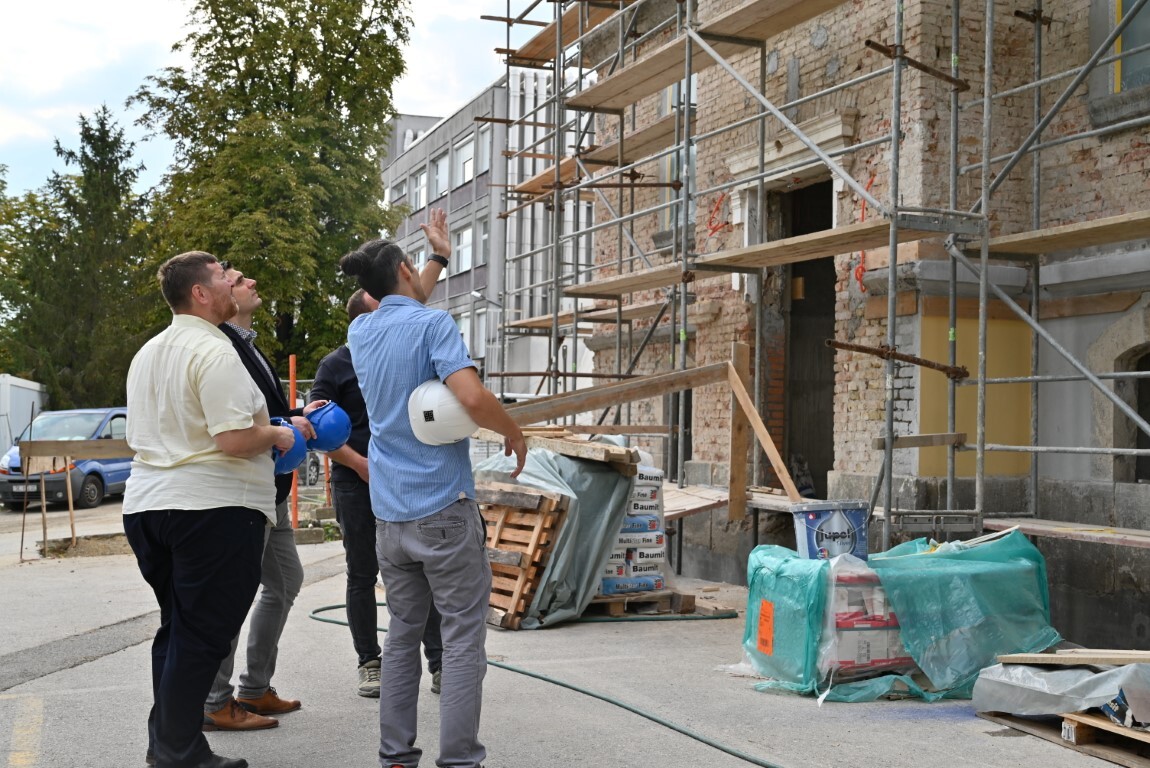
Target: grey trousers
(281, 579)
(440, 558)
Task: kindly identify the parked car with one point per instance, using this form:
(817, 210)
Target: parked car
(312, 470)
(92, 479)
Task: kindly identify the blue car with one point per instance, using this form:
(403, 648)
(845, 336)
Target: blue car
(92, 479)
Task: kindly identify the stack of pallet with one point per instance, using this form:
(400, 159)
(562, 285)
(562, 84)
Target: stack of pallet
(1092, 733)
(522, 524)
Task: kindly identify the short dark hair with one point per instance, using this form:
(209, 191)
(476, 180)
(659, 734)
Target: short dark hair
(356, 305)
(376, 265)
(178, 274)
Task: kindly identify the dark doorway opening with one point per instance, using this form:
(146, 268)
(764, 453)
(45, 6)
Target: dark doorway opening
(810, 377)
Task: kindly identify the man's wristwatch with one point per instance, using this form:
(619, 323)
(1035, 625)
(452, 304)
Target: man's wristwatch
(440, 260)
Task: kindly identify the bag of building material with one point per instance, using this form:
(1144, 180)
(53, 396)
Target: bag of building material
(1030, 691)
(961, 604)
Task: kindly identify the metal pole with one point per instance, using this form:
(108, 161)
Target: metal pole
(983, 282)
(685, 172)
(952, 292)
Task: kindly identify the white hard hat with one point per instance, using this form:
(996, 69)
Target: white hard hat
(437, 417)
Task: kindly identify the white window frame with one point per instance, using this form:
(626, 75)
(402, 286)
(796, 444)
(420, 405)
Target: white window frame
(462, 253)
(463, 323)
(483, 150)
(479, 351)
(419, 189)
(483, 252)
(440, 175)
(463, 162)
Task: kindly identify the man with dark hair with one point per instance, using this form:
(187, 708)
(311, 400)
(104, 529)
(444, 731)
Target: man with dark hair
(429, 532)
(198, 499)
(335, 380)
(282, 573)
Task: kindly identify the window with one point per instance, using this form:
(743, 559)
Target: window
(439, 178)
(1120, 90)
(398, 190)
(483, 151)
(419, 189)
(464, 323)
(479, 351)
(1134, 70)
(419, 257)
(484, 253)
(461, 252)
(464, 170)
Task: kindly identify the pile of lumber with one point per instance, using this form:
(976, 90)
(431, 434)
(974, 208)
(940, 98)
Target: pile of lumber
(567, 443)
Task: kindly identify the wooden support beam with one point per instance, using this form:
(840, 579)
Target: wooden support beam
(761, 432)
(606, 395)
(76, 449)
(928, 440)
(579, 449)
(740, 438)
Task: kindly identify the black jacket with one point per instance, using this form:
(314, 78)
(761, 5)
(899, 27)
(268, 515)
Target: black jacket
(273, 393)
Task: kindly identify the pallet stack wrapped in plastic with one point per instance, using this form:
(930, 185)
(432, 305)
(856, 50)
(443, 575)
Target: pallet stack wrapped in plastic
(637, 562)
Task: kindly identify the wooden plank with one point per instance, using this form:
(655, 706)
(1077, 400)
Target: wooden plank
(609, 316)
(507, 557)
(739, 442)
(1103, 723)
(76, 449)
(1081, 657)
(545, 180)
(541, 47)
(764, 436)
(1083, 234)
(581, 449)
(1053, 733)
(816, 245)
(905, 303)
(661, 68)
(1123, 537)
(761, 19)
(967, 308)
(613, 287)
(619, 429)
(927, 440)
(592, 398)
(508, 495)
(691, 500)
(638, 144)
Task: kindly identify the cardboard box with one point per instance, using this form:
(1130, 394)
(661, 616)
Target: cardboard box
(648, 539)
(867, 650)
(861, 602)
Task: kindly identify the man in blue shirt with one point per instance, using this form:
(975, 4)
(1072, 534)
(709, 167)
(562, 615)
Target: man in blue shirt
(430, 536)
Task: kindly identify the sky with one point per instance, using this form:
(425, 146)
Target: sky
(63, 58)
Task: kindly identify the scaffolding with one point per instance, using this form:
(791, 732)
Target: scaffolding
(575, 169)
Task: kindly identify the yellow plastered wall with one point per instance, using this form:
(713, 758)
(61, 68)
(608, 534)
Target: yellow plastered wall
(1007, 405)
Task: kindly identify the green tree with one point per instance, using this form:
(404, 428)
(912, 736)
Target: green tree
(277, 127)
(74, 311)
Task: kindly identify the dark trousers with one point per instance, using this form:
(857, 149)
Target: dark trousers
(204, 568)
(352, 500)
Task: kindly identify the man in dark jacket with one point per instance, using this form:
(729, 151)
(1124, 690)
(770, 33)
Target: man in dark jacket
(335, 380)
(282, 573)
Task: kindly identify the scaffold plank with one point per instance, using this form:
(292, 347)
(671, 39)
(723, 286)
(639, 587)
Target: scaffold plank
(1082, 234)
(545, 181)
(829, 242)
(542, 46)
(659, 70)
(638, 144)
(1056, 529)
(607, 316)
(760, 19)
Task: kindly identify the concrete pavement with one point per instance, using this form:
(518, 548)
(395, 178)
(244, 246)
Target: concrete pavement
(75, 690)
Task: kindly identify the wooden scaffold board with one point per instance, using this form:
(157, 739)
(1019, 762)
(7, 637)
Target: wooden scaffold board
(522, 524)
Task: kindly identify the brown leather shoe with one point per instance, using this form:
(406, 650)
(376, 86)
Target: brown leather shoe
(233, 717)
(270, 704)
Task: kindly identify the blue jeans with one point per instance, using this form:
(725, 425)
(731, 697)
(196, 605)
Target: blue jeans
(352, 500)
(204, 568)
(440, 559)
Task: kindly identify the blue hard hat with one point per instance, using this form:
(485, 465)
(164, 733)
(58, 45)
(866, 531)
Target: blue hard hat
(288, 462)
(332, 427)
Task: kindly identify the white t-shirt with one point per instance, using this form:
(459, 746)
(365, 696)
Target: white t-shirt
(185, 386)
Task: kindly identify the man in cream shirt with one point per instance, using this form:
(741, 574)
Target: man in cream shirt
(200, 495)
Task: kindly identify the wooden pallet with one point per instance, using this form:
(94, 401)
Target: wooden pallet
(1089, 734)
(655, 601)
(522, 524)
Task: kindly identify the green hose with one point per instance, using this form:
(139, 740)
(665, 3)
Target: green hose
(600, 696)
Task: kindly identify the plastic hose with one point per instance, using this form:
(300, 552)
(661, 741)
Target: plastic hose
(601, 696)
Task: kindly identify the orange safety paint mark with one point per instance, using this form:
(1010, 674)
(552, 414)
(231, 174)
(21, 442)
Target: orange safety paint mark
(766, 638)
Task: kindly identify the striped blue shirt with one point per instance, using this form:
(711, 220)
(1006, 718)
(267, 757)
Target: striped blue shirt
(395, 349)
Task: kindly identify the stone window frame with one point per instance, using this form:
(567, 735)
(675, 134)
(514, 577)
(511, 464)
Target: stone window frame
(1106, 104)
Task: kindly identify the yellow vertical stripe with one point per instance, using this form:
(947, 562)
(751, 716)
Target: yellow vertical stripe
(29, 724)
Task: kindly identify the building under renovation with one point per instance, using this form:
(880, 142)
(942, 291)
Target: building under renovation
(919, 233)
